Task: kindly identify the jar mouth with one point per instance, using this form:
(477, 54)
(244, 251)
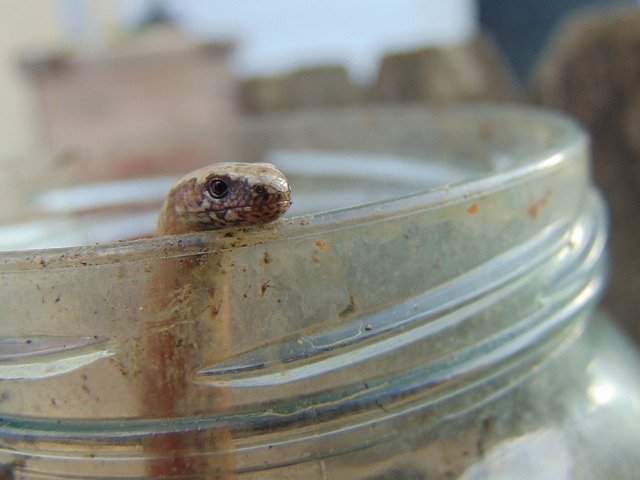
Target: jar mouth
(332, 320)
(101, 222)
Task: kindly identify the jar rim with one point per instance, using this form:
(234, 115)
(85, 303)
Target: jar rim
(563, 139)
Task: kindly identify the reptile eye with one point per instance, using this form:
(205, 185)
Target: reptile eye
(260, 190)
(218, 188)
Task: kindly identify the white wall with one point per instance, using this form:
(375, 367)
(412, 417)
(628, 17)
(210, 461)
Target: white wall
(24, 25)
(37, 25)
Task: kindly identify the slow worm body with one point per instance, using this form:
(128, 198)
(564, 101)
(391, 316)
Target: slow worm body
(215, 197)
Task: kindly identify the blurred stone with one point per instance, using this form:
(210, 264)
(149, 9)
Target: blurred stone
(470, 71)
(305, 88)
(321, 86)
(592, 71)
(263, 94)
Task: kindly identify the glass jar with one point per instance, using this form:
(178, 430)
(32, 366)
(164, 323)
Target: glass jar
(443, 328)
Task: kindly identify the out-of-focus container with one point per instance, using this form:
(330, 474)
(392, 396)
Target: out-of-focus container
(443, 330)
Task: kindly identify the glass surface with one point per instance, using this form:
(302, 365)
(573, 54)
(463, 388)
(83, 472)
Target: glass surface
(443, 330)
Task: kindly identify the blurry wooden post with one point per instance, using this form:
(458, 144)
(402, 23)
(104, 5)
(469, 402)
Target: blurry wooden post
(592, 71)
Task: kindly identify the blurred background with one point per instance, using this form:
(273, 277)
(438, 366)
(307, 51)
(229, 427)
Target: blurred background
(96, 90)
